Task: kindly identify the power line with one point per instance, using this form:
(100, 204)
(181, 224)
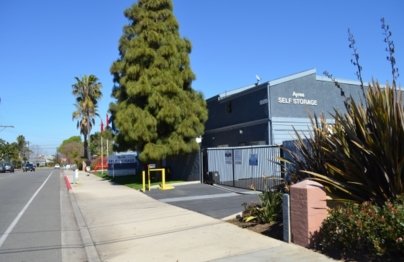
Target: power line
(5, 126)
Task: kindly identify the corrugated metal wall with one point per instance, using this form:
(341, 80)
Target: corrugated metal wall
(283, 128)
(256, 167)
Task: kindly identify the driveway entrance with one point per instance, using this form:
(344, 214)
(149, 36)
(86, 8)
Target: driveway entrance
(214, 201)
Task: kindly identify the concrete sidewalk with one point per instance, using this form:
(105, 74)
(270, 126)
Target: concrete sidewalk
(121, 224)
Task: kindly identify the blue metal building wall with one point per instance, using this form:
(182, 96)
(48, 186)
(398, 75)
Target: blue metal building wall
(255, 167)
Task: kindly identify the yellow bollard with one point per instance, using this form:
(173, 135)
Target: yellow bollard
(163, 185)
(143, 182)
(163, 178)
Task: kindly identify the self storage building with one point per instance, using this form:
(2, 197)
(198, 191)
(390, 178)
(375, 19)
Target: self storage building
(267, 113)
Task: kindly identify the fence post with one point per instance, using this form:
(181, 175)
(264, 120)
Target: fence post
(308, 210)
(234, 180)
(286, 217)
(200, 165)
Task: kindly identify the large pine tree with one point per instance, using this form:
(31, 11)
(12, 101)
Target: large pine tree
(156, 111)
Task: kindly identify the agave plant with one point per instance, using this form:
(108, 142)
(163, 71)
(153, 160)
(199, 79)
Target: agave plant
(361, 156)
(268, 211)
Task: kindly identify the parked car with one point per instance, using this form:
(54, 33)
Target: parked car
(8, 167)
(28, 167)
(2, 168)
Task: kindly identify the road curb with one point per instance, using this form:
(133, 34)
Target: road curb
(234, 216)
(89, 247)
(67, 182)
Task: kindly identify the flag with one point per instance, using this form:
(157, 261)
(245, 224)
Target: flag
(107, 121)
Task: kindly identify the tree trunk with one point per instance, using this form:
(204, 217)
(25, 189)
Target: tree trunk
(86, 153)
(87, 144)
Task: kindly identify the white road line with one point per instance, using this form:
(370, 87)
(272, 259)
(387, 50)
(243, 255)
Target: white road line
(18, 217)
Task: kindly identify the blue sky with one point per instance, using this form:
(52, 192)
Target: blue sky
(46, 43)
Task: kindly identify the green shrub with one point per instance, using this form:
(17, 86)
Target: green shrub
(360, 157)
(269, 210)
(363, 232)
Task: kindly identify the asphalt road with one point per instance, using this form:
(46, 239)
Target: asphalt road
(36, 218)
(215, 201)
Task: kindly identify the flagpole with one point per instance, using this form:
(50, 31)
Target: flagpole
(102, 156)
(102, 151)
(107, 153)
(106, 126)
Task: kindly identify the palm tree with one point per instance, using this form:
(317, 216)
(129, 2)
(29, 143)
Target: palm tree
(87, 91)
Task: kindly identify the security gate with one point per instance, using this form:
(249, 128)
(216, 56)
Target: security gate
(252, 167)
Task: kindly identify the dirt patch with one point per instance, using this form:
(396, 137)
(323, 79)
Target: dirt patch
(274, 230)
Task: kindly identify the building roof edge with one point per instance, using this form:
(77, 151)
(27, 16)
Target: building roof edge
(284, 79)
(234, 91)
(339, 80)
(292, 77)
(273, 82)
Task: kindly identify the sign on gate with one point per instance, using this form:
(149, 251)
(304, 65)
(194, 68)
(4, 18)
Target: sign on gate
(238, 157)
(228, 157)
(253, 161)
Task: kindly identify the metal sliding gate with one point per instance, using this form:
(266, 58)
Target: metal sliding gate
(253, 167)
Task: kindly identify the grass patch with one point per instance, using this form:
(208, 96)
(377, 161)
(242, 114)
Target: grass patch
(134, 182)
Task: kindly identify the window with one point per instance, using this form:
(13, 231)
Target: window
(229, 107)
